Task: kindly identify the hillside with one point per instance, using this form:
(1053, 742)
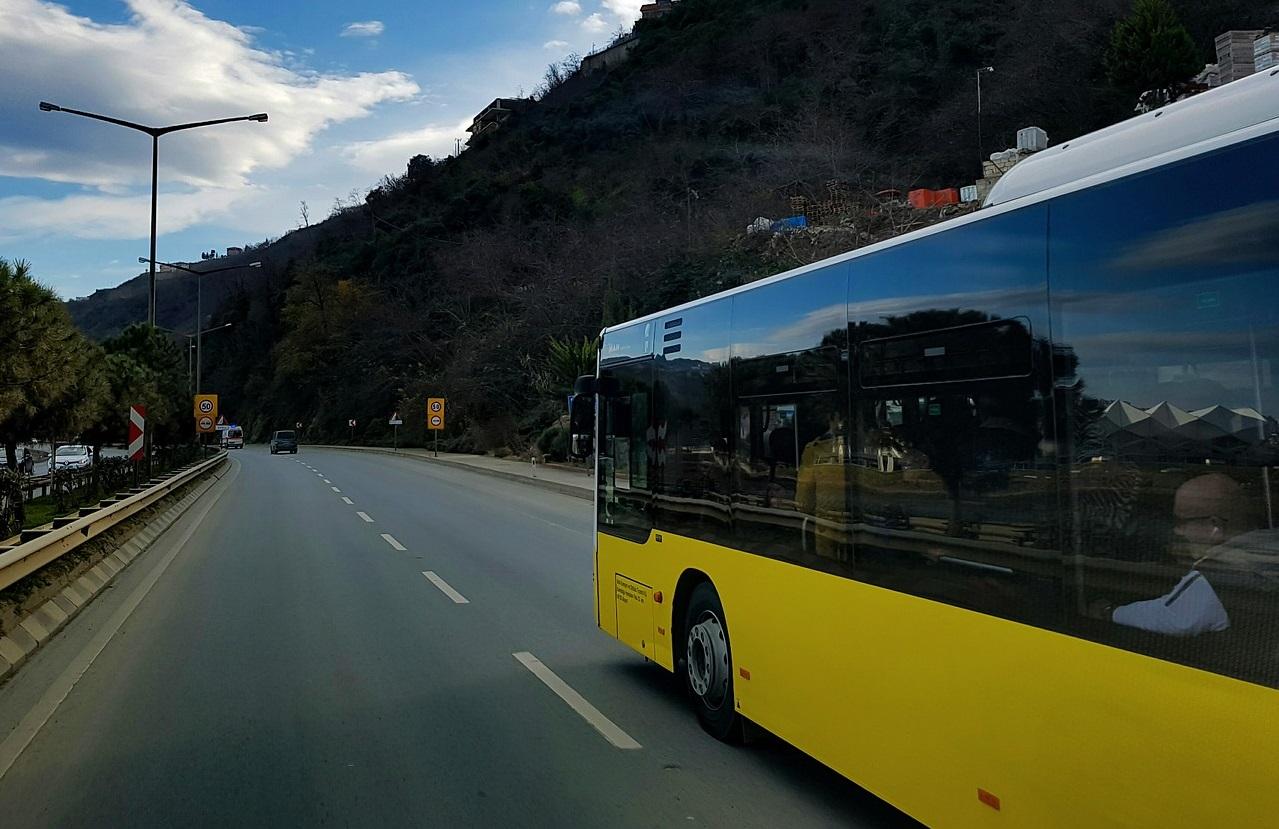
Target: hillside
(624, 192)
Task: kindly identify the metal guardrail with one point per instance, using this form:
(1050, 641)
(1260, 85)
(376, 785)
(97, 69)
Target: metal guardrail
(28, 556)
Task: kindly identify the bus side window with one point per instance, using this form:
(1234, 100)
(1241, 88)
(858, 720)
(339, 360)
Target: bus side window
(692, 424)
(954, 490)
(1164, 309)
(790, 397)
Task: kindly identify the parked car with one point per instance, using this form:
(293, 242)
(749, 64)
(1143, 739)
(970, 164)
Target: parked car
(72, 457)
(233, 438)
(284, 441)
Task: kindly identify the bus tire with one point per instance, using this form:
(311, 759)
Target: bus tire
(708, 665)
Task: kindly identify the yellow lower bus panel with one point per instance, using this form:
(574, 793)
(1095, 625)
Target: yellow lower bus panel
(925, 704)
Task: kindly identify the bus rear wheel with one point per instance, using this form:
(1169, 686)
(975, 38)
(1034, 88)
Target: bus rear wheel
(708, 665)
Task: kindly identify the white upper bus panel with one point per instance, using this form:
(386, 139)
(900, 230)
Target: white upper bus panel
(1218, 112)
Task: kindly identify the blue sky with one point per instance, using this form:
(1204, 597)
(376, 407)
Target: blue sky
(353, 90)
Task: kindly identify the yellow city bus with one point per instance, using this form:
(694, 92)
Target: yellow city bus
(982, 517)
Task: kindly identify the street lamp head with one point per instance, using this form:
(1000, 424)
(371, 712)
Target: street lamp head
(260, 117)
(142, 260)
(987, 69)
(45, 106)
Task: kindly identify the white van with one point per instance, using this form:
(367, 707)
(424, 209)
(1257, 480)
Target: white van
(233, 438)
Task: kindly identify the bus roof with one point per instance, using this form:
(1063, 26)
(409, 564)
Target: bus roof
(1204, 122)
(1214, 113)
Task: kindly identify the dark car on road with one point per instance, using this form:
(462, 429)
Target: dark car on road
(285, 441)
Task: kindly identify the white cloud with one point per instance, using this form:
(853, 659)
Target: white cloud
(556, 45)
(595, 23)
(112, 217)
(570, 8)
(368, 28)
(167, 63)
(626, 11)
(381, 155)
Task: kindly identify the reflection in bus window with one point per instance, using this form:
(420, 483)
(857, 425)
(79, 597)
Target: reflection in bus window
(953, 492)
(1169, 410)
(624, 462)
(789, 381)
(693, 430)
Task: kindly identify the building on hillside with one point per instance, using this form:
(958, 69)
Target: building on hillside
(611, 55)
(233, 251)
(1235, 58)
(495, 114)
(654, 10)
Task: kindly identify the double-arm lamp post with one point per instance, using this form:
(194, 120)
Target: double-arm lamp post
(199, 304)
(155, 133)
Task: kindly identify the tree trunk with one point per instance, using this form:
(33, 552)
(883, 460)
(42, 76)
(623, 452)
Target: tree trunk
(11, 454)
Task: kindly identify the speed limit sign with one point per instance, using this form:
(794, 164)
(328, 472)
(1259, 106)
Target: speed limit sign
(206, 405)
(435, 413)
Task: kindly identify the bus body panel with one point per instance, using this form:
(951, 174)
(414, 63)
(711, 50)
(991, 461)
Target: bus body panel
(923, 703)
(1013, 529)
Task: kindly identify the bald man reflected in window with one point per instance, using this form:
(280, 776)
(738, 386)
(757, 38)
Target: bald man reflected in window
(1214, 533)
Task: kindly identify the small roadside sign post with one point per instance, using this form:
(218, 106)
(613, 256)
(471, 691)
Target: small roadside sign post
(435, 419)
(350, 424)
(396, 423)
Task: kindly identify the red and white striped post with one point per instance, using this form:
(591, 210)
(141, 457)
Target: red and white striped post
(137, 436)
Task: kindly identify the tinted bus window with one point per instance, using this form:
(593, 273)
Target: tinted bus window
(1165, 296)
(952, 488)
(692, 425)
(789, 375)
(626, 449)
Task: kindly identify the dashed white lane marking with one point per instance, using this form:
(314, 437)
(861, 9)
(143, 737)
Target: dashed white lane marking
(348, 500)
(335, 489)
(390, 539)
(364, 516)
(445, 588)
(578, 703)
(327, 481)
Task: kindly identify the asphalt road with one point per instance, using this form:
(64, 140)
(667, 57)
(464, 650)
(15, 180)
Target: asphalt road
(291, 666)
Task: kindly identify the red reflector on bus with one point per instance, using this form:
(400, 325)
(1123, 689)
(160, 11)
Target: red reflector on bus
(661, 631)
(745, 673)
(657, 596)
(989, 799)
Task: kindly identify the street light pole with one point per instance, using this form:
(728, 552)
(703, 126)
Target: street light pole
(155, 133)
(199, 305)
(981, 148)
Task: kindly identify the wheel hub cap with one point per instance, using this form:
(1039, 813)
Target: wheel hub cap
(708, 660)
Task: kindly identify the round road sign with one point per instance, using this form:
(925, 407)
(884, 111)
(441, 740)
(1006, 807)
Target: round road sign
(206, 422)
(435, 407)
(436, 420)
(206, 406)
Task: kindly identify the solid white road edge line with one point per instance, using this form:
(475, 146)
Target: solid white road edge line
(21, 736)
(390, 539)
(445, 588)
(578, 703)
(364, 516)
